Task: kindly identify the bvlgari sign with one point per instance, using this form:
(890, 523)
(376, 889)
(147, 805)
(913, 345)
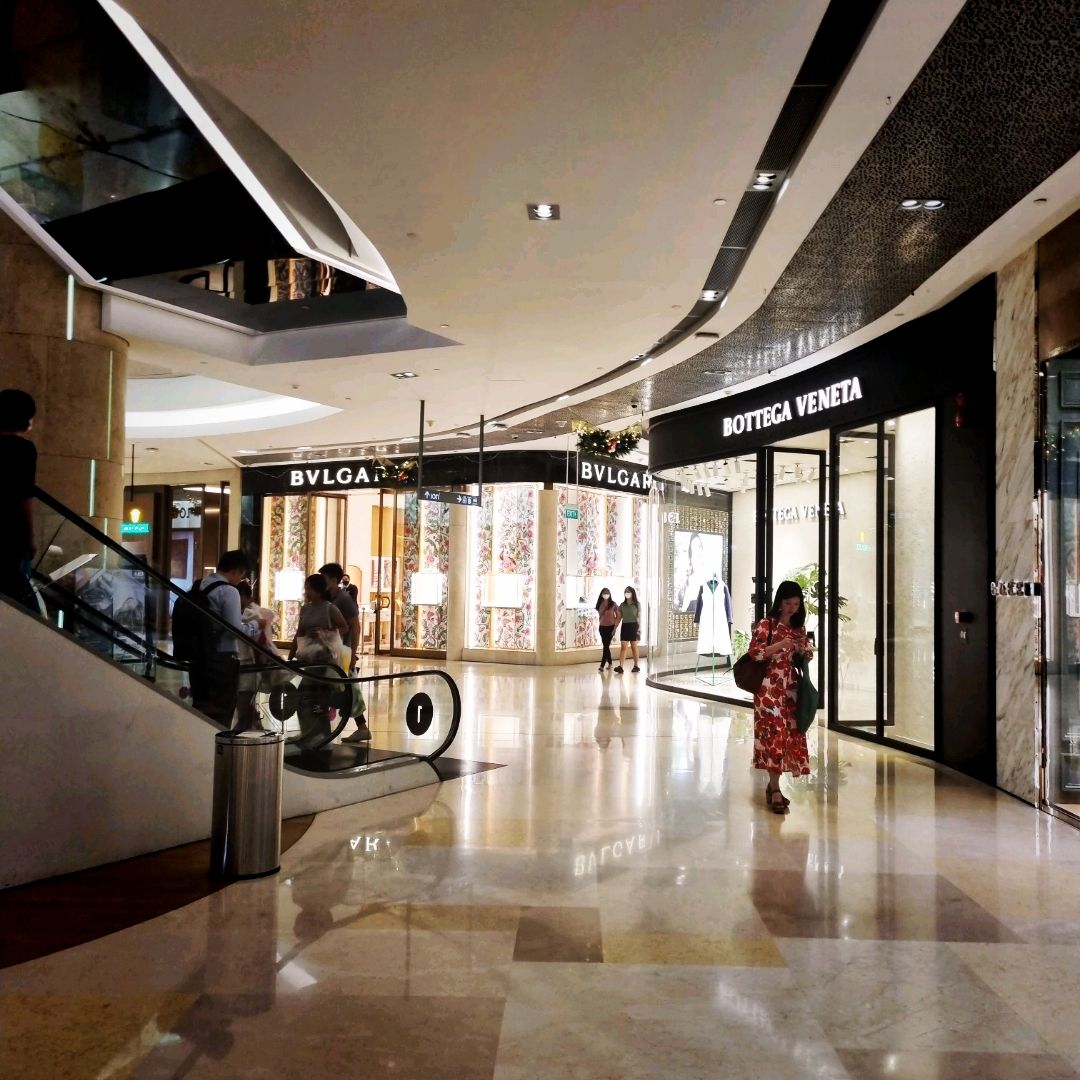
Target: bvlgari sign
(340, 474)
(816, 401)
(615, 475)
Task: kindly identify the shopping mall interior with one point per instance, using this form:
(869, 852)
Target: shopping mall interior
(415, 419)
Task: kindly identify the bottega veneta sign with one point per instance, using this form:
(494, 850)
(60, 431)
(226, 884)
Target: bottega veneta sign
(816, 401)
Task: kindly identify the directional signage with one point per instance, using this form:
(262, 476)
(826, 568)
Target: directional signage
(134, 528)
(571, 512)
(455, 498)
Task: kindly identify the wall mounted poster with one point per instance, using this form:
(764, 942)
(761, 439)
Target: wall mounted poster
(697, 556)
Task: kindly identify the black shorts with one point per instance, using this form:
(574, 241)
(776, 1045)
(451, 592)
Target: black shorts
(629, 632)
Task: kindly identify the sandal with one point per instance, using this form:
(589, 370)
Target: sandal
(770, 791)
(777, 802)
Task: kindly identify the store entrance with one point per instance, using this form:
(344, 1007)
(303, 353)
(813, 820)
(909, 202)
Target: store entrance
(792, 512)
(882, 574)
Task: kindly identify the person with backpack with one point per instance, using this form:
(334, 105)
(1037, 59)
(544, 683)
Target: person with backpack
(208, 647)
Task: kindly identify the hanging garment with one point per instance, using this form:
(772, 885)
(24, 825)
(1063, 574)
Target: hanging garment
(714, 634)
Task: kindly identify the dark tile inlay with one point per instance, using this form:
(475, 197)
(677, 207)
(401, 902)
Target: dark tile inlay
(568, 935)
(454, 768)
(952, 1065)
(887, 907)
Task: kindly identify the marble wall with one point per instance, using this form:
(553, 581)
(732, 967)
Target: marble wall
(1018, 740)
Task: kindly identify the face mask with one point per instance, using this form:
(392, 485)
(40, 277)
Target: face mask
(627, 597)
(605, 596)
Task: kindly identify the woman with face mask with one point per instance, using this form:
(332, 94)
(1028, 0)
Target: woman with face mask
(630, 615)
(609, 614)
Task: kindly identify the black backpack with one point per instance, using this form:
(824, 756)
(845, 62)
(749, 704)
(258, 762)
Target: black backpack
(195, 634)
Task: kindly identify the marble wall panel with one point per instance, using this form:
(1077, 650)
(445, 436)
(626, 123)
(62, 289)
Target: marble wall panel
(1015, 547)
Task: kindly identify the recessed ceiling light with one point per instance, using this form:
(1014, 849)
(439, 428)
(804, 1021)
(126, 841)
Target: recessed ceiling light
(305, 448)
(933, 204)
(766, 177)
(444, 326)
(543, 211)
(497, 424)
(563, 397)
(719, 202)
(708, 333)
(462, 434)
(151, 449)
(244, 453)
(1038, 202)
(534, 431)
(209, 462)
(403, 374)
(710, 295)
(761, 187)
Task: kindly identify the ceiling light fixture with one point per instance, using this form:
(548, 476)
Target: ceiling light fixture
(563, 397)
(762, 186)
(921, 204)
(245, 453)
(933, 204)
(543, 211)
(766, 177)
(719, 202)
(498, 425)
(152, 449)
(403, 375)
(710, 295)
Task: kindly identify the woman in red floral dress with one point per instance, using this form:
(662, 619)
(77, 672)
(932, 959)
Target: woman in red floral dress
(779, 746)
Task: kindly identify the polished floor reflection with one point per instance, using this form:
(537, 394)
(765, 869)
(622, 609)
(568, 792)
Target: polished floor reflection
(617, 901)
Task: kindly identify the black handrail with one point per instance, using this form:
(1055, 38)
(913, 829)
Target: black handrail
(273, 660)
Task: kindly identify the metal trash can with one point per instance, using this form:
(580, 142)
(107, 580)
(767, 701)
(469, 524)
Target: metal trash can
(246, 837)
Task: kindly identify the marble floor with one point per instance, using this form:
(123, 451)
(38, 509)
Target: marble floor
(616, 901)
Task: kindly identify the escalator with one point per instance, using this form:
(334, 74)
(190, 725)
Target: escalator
(117, 606)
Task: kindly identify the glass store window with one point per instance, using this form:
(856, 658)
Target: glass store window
(421, 566)
(603, 546)
(501, 606)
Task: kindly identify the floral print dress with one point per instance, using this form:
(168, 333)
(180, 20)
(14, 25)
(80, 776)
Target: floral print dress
(779, 746)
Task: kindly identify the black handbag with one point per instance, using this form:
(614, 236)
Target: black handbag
(748, 673)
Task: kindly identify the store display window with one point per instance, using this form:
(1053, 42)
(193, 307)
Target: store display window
(502, 568)
(422, 542)
(602, 547)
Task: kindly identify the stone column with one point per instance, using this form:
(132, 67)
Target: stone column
(546, 578)
(1016, 357)
(457, 582)
(52, 346)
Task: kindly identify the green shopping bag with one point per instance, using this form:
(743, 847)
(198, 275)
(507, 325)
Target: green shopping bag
(806, 705)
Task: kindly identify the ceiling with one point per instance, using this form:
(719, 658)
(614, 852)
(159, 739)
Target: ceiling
(431, 127)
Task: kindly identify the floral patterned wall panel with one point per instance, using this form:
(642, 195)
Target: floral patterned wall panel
(426, 537)
(609, 533)
(289, 519)
(502, 562)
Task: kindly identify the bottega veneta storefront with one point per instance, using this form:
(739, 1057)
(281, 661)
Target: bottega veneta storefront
(511, 580)
(869, 480)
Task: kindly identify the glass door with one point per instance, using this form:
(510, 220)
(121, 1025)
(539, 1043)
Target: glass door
(793, 510)
(883, 542)
(1062, 586)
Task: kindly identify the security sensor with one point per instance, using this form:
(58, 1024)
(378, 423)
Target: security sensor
(634, 404)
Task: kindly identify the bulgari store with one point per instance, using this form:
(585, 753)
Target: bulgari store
(869, 481)
(511, 580)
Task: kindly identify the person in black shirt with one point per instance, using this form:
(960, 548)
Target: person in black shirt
(17, 411)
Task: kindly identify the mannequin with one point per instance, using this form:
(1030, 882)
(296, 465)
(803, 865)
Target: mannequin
(714, 617)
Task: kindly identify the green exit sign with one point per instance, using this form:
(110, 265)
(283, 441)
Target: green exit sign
(134, 528)
(571, 512)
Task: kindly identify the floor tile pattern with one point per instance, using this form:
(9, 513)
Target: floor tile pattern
(616, 902)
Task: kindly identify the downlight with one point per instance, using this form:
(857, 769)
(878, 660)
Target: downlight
(710, 295)
(403, 375)
(543, 211)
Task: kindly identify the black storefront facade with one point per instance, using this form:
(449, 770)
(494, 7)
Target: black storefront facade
(870, 480)
(511, 580)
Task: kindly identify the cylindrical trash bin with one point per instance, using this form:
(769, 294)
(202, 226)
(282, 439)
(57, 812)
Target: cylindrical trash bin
(246, 837)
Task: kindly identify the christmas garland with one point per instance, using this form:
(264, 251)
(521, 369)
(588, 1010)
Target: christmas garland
(601, 443)
(402, 473)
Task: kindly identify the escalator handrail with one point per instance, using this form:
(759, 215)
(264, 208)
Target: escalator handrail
(143, 568)
(274, 661)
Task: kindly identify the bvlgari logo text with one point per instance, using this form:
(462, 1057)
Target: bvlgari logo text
(614, 476)
(839, 393)
(343, 476)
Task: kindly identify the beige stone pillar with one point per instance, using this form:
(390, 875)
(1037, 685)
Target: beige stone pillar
(546, 524)
(457, 582)
(53, 347)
